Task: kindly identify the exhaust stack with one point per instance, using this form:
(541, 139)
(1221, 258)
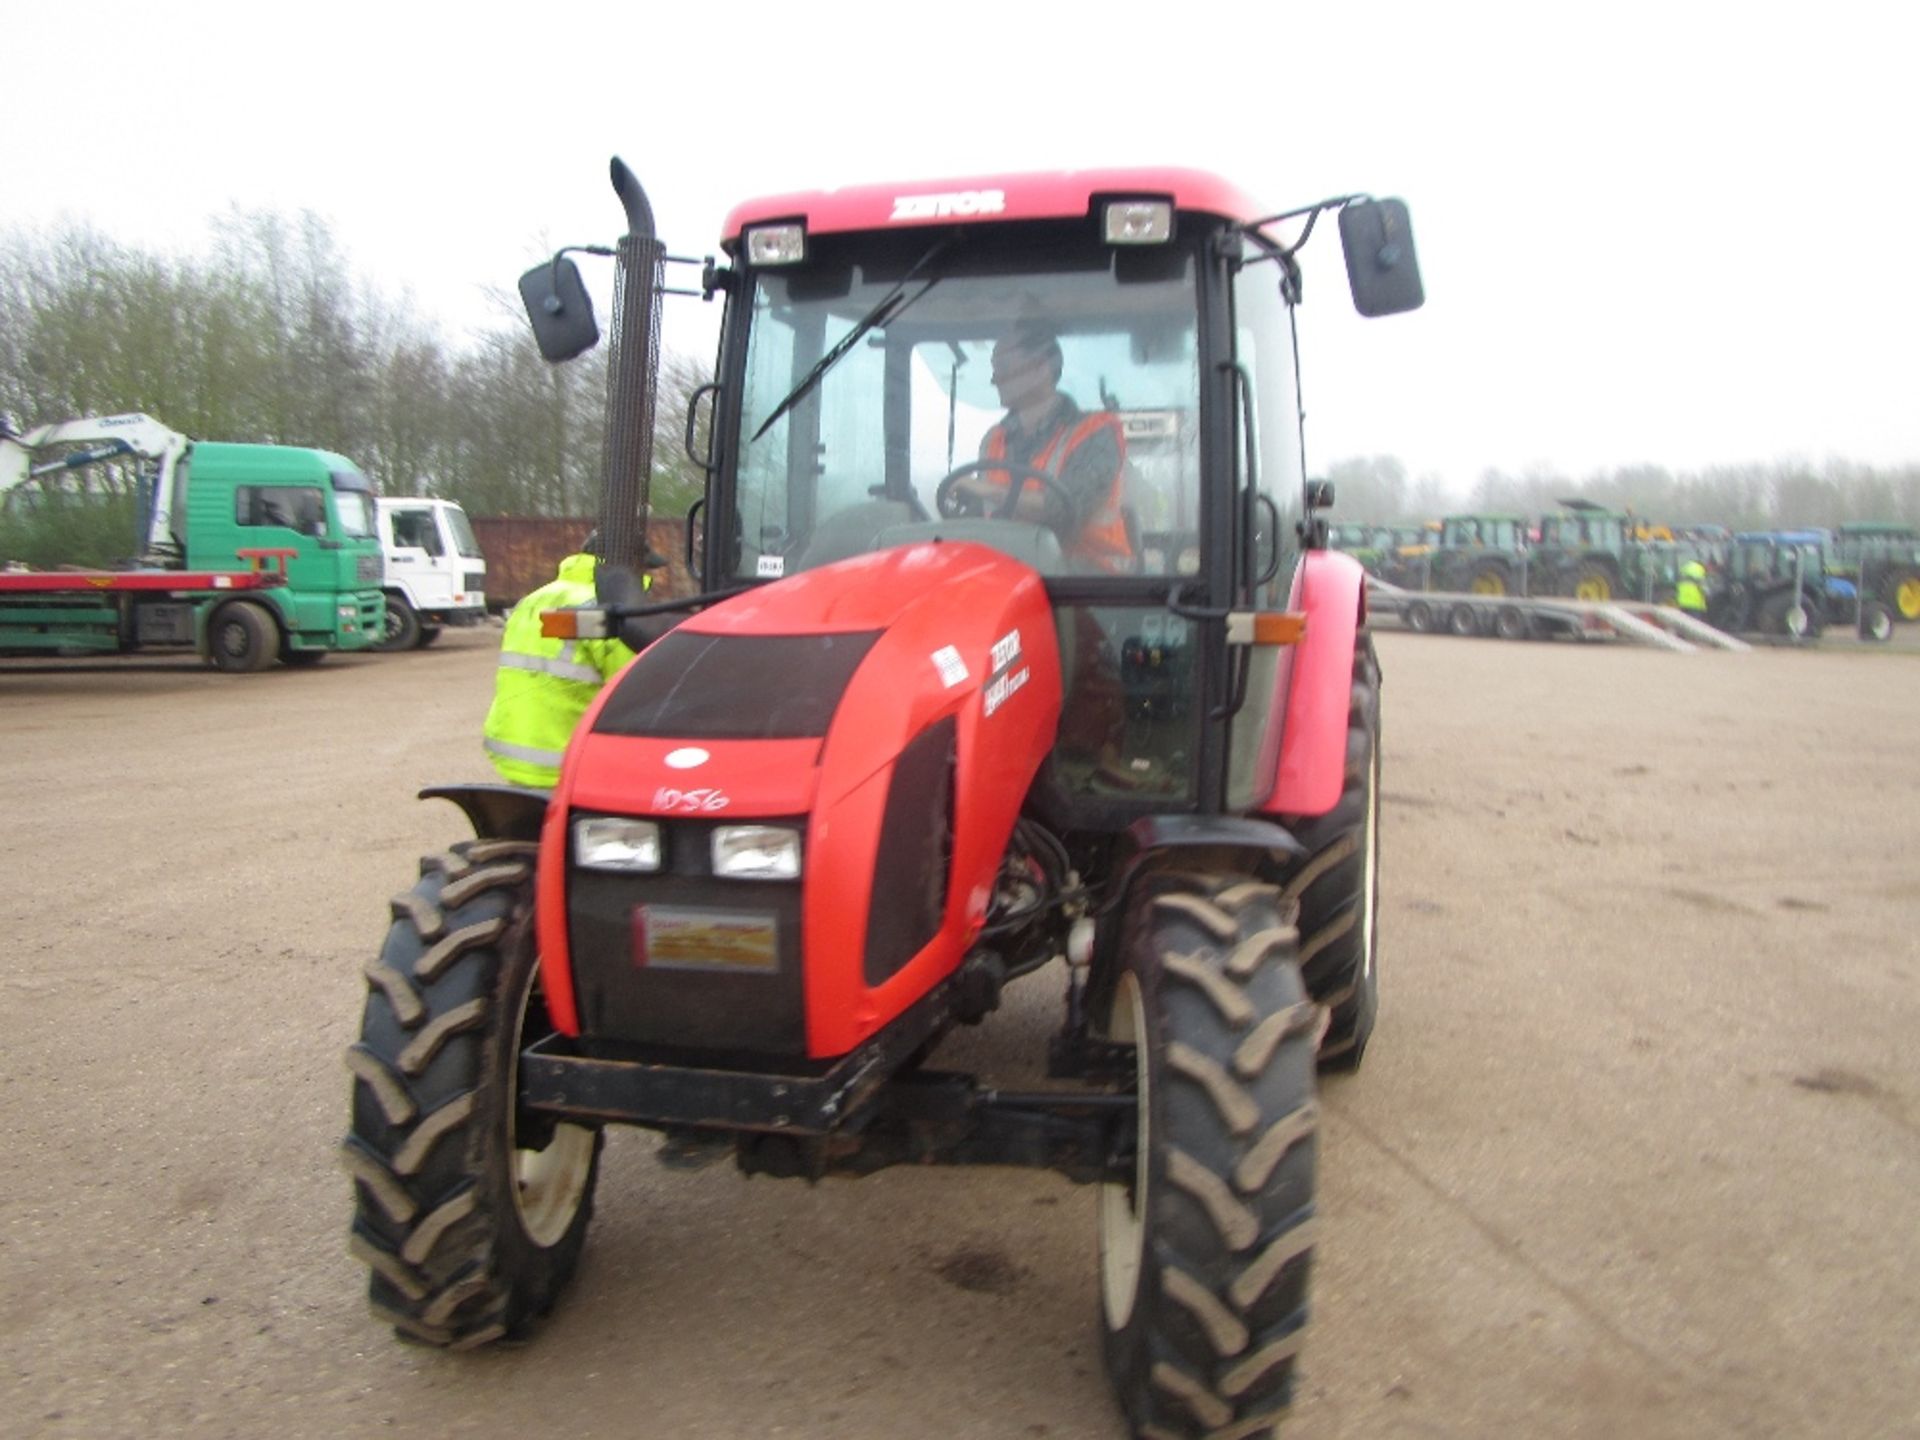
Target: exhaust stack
(632, 384)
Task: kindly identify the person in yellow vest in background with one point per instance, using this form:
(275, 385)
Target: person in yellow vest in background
(1690, 594)
(544, 685)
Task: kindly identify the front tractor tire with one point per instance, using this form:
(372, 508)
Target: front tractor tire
(1491, 578)
(1595, 583)
(469, 1217)
(1205, 1248)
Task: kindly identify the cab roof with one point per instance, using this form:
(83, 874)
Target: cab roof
(1052, 195)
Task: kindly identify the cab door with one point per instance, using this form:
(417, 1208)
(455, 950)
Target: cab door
(417, 554)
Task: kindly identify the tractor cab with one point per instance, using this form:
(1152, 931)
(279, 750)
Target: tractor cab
(1092, 374)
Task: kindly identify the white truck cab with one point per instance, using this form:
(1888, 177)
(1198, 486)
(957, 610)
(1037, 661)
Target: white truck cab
(435, 573)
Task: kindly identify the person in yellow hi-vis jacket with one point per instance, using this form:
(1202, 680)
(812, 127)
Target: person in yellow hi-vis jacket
(544, 685)
(1691, 593)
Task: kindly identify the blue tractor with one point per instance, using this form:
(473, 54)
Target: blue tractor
(1778, 582)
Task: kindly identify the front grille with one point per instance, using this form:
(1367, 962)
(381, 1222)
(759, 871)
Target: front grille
(367, 568)
(619, 999)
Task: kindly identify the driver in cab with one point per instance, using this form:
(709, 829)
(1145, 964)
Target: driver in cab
(1045, 437)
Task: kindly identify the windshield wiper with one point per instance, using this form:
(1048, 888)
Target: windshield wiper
(891, 304)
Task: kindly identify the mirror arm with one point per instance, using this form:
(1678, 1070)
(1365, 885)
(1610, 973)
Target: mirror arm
(552, 302)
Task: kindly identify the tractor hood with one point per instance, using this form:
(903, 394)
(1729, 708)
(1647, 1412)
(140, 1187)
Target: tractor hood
(797, 692)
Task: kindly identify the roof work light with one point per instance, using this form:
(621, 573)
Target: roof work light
(777, 244)
(1139, 222)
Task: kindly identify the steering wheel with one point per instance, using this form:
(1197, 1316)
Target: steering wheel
(953, 504)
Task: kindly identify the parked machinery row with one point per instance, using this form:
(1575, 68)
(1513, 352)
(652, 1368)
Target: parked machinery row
(1786, 582)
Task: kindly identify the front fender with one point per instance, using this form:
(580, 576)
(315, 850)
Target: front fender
(496, 812)
(1332, 591)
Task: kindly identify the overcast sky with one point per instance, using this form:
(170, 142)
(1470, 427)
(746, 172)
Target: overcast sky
(1666, 233)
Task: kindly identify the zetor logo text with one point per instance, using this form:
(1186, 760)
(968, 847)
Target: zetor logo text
(955, 202)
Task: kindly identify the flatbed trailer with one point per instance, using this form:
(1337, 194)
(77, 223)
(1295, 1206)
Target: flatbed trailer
(166, 582)
(110, 612)
(1510, 617)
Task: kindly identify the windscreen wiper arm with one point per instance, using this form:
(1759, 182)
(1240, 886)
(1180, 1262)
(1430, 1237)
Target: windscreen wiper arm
(891, 304)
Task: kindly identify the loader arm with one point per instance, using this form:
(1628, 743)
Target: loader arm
(24, 457)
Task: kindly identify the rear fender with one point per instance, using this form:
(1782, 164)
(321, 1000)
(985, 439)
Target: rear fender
(1331, 589)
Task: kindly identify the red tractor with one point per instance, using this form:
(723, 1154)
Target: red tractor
(952, 706)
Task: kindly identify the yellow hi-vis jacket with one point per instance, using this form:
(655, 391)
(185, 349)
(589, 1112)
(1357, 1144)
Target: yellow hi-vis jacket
(544, 685)
(1690, 594)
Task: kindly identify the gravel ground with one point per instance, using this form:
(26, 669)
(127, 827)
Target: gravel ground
(1636, 1150)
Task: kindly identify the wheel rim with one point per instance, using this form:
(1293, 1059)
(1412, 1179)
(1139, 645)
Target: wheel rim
(1796, 621)
(1908, 598)
(392, 626)
(1594, 587)
(1880, 625)
(548, 1184)
(233, 640)
(1123, 1230)
(1488, 585)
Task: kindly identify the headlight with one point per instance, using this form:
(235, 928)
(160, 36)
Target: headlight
(613, 842)
(756, 852)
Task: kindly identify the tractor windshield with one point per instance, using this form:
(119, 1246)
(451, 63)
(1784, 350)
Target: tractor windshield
(1038, 393)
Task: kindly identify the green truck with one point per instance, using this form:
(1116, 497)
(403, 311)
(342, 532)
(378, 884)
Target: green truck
(247, 553)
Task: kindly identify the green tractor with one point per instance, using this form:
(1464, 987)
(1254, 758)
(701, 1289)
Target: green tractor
(1380, 549)
(1884, 560)
(1369, 544)
(1477, 555)
(1592, 553)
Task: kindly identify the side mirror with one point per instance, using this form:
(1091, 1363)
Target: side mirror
(1319, 494)
(559, 309)
(1382, 270)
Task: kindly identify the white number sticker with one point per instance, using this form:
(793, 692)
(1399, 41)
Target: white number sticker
(689, 802)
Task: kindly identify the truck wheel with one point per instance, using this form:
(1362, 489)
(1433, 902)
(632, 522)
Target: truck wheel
(469, 1216)
(403, 626)
(1876, 622)
(242, 638)
(428, 634)
(1511, 623)
(1205, 1248)
(1462, 620)
(1337, 883)
(1419, 616)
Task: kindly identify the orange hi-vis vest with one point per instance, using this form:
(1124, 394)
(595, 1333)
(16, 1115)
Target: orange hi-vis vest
(1102, 541)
